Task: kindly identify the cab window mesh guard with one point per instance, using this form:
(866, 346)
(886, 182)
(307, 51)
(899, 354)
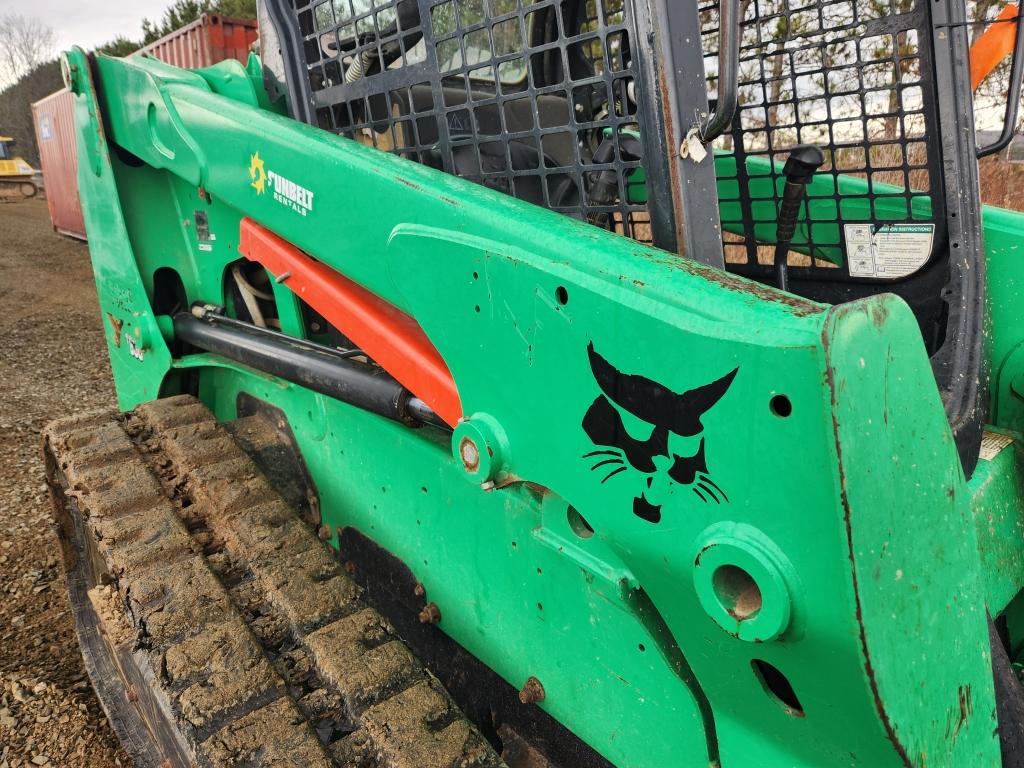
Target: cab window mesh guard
(535, 99)
(856, 78)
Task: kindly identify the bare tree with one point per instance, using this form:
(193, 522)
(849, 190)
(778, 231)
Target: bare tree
(25, 43)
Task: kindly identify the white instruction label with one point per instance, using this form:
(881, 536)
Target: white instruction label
(887, 250)
(992, 443)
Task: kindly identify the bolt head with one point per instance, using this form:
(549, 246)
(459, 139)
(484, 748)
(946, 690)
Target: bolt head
(469, 454)
(532, 692)
(479, 446)
(431, 614)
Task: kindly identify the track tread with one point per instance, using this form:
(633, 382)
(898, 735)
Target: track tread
(260, 644)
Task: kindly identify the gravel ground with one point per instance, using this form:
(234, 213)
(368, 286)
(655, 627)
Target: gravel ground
(52, 362)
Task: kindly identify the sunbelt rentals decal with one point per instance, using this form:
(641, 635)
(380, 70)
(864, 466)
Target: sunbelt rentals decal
(285, 191)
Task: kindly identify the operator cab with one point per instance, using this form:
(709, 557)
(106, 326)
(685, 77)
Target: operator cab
(6, 148)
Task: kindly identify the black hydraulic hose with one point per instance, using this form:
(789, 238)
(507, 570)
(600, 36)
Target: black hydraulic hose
(309, 365)
(408, 18)
(715, 124)
(372, 60)
(604, 184)
(1013, 96)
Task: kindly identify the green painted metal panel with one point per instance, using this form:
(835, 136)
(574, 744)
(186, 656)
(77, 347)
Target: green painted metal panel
(997, 504)
(1004, 255)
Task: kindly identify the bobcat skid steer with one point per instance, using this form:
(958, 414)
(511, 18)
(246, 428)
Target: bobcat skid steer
(554, 384)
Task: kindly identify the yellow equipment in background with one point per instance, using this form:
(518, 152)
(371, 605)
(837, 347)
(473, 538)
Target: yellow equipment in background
(16, 176)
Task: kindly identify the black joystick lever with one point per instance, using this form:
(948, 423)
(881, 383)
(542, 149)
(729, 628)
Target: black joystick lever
(803, 161)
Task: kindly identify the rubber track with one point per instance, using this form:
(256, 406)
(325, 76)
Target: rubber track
(259, 645)
(10, 190)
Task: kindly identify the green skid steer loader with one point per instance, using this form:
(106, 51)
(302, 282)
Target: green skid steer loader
(553, 384)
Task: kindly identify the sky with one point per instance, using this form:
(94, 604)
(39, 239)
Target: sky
(89, 23)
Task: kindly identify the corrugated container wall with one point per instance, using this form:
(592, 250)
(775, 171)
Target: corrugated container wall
(54, 120)
(209, 39)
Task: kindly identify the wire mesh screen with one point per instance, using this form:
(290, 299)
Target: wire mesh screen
(536, 99)
(854, 77)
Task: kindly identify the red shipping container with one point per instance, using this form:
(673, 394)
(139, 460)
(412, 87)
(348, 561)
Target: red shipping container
(207, 40)
(54, 120)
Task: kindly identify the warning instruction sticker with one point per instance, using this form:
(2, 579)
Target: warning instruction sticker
(992, 443)
(887, 250)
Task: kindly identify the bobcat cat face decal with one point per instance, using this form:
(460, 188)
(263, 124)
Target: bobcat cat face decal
(664, 440)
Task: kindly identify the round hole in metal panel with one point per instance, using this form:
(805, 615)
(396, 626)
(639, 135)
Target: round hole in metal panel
(737, 591)
(781, 406)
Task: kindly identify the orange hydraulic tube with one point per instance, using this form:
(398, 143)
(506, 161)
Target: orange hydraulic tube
(391, 338)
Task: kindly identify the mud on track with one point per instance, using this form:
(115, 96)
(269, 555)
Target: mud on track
(211, 588)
